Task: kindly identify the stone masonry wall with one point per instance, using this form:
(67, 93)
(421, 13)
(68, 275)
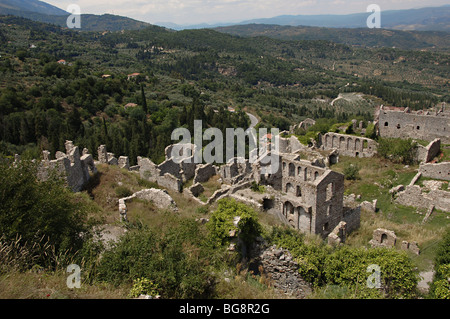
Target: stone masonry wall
(416, 126)
(350, 145)
(438, 171)
(282, 270)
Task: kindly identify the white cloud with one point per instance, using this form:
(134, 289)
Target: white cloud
(213, 11)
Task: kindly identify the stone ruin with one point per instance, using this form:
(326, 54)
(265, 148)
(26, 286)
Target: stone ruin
(430, 196)
(159, 197)
(424, 125)
(436, 170)
(349, 145)
(304, 125)
(304, 192)
(105, 157)
(71, 166)
(383, 238)
(387, 238)
(280, 268)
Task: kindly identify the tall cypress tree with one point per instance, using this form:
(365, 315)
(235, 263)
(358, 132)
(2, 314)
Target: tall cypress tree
(144, 100)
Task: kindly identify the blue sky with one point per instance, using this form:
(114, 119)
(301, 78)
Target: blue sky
(216, 11)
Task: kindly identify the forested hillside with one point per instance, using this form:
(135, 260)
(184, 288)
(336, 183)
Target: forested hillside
(59, 84)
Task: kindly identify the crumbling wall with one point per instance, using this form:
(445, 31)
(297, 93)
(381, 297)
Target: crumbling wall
(425, 154)
(124, 162)
(437, 171)
(278, 265)
(414, 196)
(159, 197)
(352, 218)
(398, 124)
(350, 145)
(152, 172)
(235, 170)
(383, 238)
(338, 235)
(204, 172)
(70, 166)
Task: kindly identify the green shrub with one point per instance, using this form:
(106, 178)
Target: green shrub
(351, 172)
(442, 266)
(441, 287)
(257, 188)
(34, 212)
(221, 223)
(311, 258)
(174, 258)
(346, 267)
(143, 286)
(398, 150)
(123, 191)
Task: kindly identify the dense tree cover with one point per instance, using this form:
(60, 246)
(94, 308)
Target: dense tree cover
(41, 217)
(186, 75)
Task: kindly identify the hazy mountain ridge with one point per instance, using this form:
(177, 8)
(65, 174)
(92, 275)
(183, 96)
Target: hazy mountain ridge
(423, 19)
(42, 12)
(356, 37)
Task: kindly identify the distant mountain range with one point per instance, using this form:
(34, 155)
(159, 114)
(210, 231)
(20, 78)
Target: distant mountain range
(43, 12)
(364, 37)
(424, 19)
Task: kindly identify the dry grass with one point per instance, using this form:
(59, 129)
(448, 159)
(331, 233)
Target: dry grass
(426, 236)
(242, 284)
(32, 285)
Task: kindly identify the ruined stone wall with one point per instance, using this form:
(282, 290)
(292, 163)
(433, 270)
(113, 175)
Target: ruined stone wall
(329, 202)
(75, 169)
(312, 198)
(151, 172)
(281, 269)
(416, 126)
(414, 196)
(235, 170)
(350, 145)
(204, 172)
(352, 217)
(438, 171)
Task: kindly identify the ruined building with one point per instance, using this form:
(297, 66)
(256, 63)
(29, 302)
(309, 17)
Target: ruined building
(350, 145)
(311, 197)
(74, 167)
(423, 125)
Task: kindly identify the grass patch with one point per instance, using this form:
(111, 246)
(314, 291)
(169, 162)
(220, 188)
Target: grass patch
(52, 285)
